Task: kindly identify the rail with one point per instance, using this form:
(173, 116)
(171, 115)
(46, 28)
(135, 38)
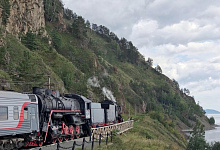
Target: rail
(119, 128)
(98, 135)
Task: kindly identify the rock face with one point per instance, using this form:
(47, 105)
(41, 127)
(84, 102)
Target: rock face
(26, 15)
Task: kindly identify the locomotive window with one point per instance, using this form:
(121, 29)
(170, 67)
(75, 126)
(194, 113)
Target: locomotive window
(26, 113)
(16, 113)
(3, 113)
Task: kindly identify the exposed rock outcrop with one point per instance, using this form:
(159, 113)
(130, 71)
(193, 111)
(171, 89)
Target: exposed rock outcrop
(26, 15)
(61, 23)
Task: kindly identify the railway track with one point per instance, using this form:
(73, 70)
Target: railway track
(96, 132)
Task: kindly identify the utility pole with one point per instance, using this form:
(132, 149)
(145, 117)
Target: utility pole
(135, 110)
(122, 108)
(129, 111)
(48, 81)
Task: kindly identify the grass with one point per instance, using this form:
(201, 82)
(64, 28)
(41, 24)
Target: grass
(26, 68)
(147, 134)
(70, 62)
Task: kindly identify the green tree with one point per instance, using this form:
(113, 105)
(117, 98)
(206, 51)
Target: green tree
(186, 91)
(52, 9)
(176, 84)
(88, 25)
(5, 5)
(56, 41)
(212, 121)
(2, 56)
(25, 64)
(79, 27)
(216, 146)
(68, 14)
(30, 41)
(150, 61)
(158, 69)
(197, 140)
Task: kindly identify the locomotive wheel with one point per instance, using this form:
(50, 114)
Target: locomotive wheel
(54, 141)
(66, 132)
(72, 137)
(66, 138)
(60, 139)
(71, 131)
(41, 141)
(77, 132)
(20, 144)
(54, 138)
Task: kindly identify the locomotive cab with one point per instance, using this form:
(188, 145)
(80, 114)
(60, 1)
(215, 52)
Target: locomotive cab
(112, 112)
(85, 110)
(85, 104)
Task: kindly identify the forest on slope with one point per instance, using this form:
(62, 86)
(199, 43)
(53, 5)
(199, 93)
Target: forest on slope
(89, 59)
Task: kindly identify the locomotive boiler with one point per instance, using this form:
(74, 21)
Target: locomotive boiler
(60, 117)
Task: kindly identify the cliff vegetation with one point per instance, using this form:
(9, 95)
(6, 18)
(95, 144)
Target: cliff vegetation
(41, 40)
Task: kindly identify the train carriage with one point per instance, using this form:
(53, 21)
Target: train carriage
(18, 118)
(98, 115)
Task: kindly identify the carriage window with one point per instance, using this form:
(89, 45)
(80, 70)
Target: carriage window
(26, 113)
(16, 113)
(3, 113)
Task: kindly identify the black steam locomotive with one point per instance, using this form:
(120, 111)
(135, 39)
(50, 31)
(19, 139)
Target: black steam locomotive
(45, 117)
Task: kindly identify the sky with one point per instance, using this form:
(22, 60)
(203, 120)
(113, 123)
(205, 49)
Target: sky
(181, 36)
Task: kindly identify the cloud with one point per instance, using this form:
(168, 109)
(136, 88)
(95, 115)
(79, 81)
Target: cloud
(147, 32)
(183, 37)
(118, 15)
(194, 65)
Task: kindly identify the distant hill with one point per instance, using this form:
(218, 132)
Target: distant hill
(211, 111)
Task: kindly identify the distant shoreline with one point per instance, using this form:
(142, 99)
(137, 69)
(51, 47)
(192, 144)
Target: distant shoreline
(211, 111)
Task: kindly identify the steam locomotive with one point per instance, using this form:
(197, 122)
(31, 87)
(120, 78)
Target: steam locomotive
(45, 117)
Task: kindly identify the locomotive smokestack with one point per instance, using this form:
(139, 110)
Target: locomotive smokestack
(37, 90)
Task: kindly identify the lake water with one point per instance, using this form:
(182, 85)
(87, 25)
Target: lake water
(213, 135)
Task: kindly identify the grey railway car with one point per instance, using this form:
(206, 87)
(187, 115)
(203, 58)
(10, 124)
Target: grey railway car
(18, 116)
(97, 113)
(111, 114)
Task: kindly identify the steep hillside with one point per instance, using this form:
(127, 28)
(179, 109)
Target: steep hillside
(149, 134)
(89, 60)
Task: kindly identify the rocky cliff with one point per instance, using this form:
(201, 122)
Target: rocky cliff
(26, 15)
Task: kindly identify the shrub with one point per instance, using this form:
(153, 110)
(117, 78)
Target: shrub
(216, 146)
(157, 115)
(148, 136)
(5, 4)
(197, 140)
(211, 121)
